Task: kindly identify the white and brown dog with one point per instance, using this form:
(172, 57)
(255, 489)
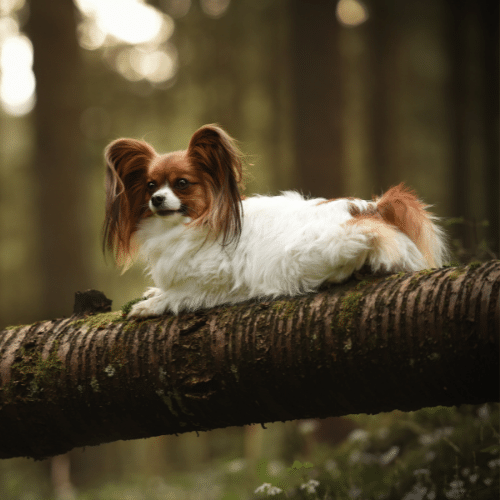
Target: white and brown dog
(204, 244)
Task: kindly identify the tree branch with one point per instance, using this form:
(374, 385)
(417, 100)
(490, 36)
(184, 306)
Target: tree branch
(399, 342)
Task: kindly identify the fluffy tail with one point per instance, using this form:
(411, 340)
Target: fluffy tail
(400, 207)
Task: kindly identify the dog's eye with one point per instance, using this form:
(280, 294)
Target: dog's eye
(181, 183)
(151, 185)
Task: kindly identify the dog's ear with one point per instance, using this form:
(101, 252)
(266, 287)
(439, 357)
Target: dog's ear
(127, 162)
(215, 154)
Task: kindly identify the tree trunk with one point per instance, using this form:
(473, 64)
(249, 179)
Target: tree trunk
(61, 177)
(316, 97)
(400, 342)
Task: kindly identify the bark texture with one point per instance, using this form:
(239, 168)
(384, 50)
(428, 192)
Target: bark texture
(399, 342)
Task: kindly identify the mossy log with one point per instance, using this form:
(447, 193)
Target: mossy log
(403, 342)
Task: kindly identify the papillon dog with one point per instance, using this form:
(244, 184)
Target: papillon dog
(205, 244)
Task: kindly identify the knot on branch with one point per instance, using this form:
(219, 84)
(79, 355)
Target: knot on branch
(91, 302)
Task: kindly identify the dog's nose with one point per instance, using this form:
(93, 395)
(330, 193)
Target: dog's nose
(157, 200)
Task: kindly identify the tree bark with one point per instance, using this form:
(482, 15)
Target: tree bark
(400, 342)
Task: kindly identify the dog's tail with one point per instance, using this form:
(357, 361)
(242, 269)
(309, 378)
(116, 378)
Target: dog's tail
(400, 207)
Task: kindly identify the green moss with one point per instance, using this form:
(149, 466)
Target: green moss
(396, 276)
(95, 385)
(98, 320)
(425, 272)
(286, 307)
(459, 271)
(474, 265)
(34, 373)
(349, 306)
(13, 327)
(126, 308)
(117, 357)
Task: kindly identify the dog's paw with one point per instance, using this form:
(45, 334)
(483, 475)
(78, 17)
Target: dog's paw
(154, 304)
(152, 292)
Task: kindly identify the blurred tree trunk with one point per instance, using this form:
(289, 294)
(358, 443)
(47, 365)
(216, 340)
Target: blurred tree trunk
(399, 342)
(316, 96)
(61, 177)
(457, 34)
(472, 37)
(382, 31)
(489, 14)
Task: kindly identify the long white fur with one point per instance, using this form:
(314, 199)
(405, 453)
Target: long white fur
(289, 245)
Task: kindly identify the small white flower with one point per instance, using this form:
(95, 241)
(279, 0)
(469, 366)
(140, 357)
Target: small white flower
(274, 490)
(474, 477)
(456, 491)
(274, 468)
(262, 488)
(417, 493)
(110, 371)
(419, 472)
(484, 412)
(236, 465)
(355, 457)
(269, 489)
(354, 492)
(358, 435)
(389, 455)
(310, 486)
(308, 426)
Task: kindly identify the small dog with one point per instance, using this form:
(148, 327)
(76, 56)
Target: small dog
(205, 244)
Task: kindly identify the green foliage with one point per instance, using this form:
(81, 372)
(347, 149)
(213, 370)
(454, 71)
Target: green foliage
(434, 453)
(430, 454)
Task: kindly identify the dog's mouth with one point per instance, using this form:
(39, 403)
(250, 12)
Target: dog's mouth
(165, 213)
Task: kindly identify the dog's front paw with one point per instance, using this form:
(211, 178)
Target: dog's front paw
(154, 304)
(152, 292)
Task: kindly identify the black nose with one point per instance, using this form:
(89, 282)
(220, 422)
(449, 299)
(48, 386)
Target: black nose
(157, 200)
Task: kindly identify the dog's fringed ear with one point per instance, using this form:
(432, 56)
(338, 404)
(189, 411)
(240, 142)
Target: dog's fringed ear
(127, 162)
(215, 153)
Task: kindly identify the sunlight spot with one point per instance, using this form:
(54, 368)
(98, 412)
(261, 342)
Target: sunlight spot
(17, 81)
(8, 6)
(90, 35)
(124, 67)
(351, 12)
(8, 28)
(215, 8)
(178, 8)
(155, 65)
(127, 21)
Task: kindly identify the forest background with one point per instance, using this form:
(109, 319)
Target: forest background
(329, 98)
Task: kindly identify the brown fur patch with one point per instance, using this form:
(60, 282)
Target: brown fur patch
(401, 207)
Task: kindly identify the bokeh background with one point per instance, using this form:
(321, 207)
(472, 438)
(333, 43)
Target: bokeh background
(329, 97)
